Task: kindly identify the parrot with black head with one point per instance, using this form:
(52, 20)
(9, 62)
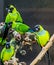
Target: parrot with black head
(42, 37)
(7, 52)
(13, 15)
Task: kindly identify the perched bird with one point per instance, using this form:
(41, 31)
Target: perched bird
(42, 37)
(20, 27)
(7, 52)
(13, 15)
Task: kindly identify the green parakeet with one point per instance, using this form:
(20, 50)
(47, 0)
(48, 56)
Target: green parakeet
(13, 15)
(7, 53)
(20, 27)
(42, 35)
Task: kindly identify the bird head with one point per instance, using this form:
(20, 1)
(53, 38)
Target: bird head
(38, 28)
(7, 45)
(11, 8)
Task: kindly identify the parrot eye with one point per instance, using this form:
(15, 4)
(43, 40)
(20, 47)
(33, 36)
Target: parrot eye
(37, 28)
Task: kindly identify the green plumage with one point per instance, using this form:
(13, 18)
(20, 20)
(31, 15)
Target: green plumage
(6, 54)
(14, 16)
(2, 42)
(42, 36)
(20, 27)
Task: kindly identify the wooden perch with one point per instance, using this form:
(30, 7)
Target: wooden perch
(43, 51)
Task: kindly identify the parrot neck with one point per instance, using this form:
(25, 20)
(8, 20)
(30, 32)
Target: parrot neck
(41, 32)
